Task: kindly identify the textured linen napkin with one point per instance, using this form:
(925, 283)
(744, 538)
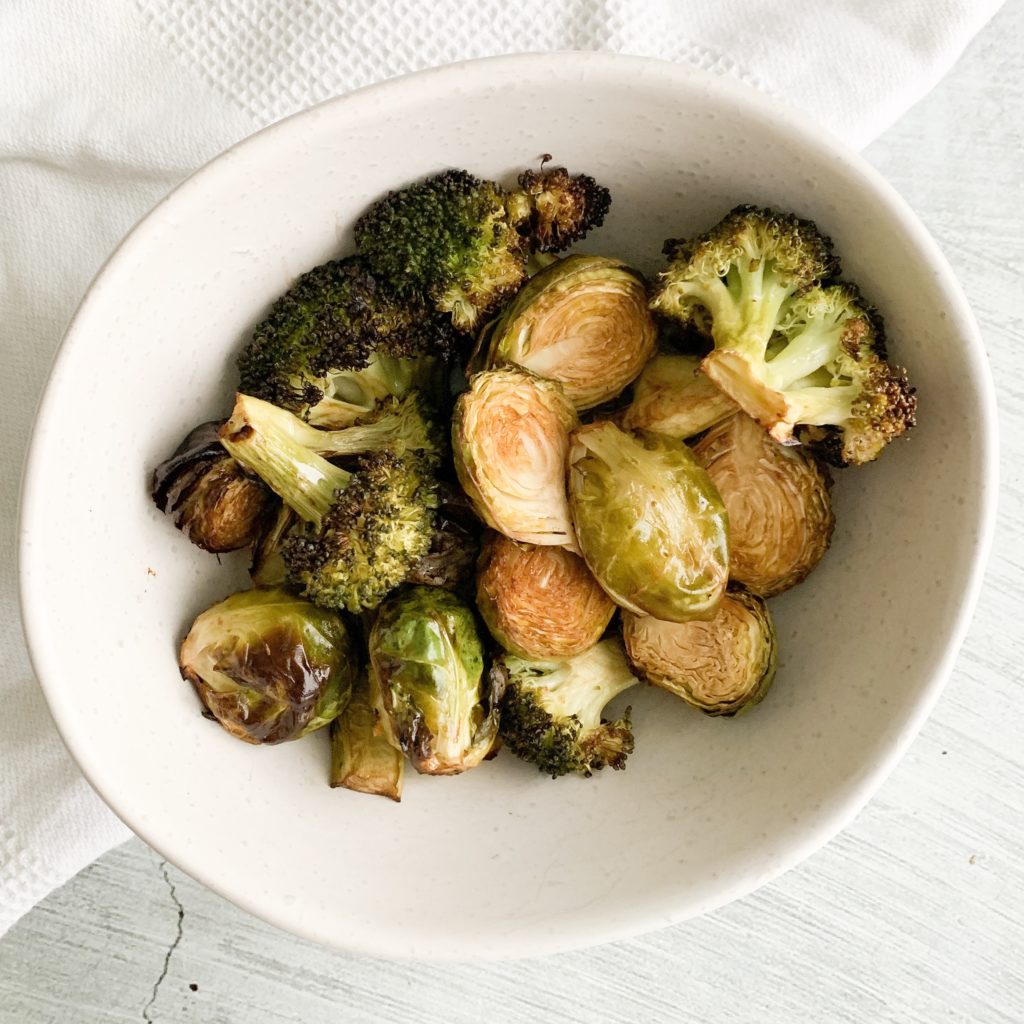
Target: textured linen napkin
(104, 108)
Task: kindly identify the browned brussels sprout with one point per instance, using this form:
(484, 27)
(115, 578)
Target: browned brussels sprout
(722, 665)
(673, 397)
(780, 513)
(582, 321)
(213, 500)
(269, 666)
(539, 602)
(650, 523)
(510, 438)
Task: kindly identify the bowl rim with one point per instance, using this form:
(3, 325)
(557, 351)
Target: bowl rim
(617, 69)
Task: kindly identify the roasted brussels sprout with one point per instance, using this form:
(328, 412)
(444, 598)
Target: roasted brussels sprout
(673, 397)
(363, 758)
(428, 663)
(722, 666)
(649, 521)
(267, 567)
(539, 602)
(510, 438)
(551, 710)
(777, 497)
(214, 501)
(582, 321)
(269, 666)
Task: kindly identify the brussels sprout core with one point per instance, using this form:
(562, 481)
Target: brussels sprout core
(780, 513)
(539, 602)
(582, 321)
(269, 666)
(650, 523)
(510, 438)
(722, 666)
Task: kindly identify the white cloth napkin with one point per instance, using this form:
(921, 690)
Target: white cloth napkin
(104, 108)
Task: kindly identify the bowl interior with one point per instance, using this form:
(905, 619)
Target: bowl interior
(501, 861)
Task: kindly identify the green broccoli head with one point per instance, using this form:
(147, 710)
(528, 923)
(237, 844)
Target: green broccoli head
(375, 531)
(337, 342)
(563, 207)
(365, 530)
(452, 237)
(551, 710)
(824, 380)
(732, 281)
(805, 359)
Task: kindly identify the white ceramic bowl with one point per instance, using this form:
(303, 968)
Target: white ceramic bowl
(500, 862)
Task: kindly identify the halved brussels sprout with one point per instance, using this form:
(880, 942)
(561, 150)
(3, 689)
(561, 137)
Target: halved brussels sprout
(722, 665)
(780, 513)
(539, 602)
(269, 666)
(582, 321)
(214, 501)
(363, 758)
(673, 397)
(649, 521)
(428, 664)
(510, 439)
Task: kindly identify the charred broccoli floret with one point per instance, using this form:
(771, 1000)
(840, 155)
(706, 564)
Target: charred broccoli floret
(807, 360)
(563, 207)
(831, 379)
(551, 710)
(338, 342)
(732, 281)
(464, 241)
(452, 237)
(364, 530)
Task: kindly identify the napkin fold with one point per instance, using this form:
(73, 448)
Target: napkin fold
(104, 111)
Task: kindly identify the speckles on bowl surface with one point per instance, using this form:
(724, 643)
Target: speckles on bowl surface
(706, 809)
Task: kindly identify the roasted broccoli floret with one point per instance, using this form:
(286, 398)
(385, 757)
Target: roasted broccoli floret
(563, 207)
(551, 710)
(364, 530)
(452, 237)
(832, 379)
(732, 281)
(807, 360)
(464, 242)
(337, 343)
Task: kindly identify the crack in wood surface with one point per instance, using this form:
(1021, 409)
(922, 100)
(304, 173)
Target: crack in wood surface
(146, 1010)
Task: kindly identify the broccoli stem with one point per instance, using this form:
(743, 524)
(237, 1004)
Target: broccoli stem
(582, 687)
(264, 440)
(760, 299)
(382, 376)
(814, 347)
(822, 406)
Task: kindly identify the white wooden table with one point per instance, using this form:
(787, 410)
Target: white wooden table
(914, 914)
